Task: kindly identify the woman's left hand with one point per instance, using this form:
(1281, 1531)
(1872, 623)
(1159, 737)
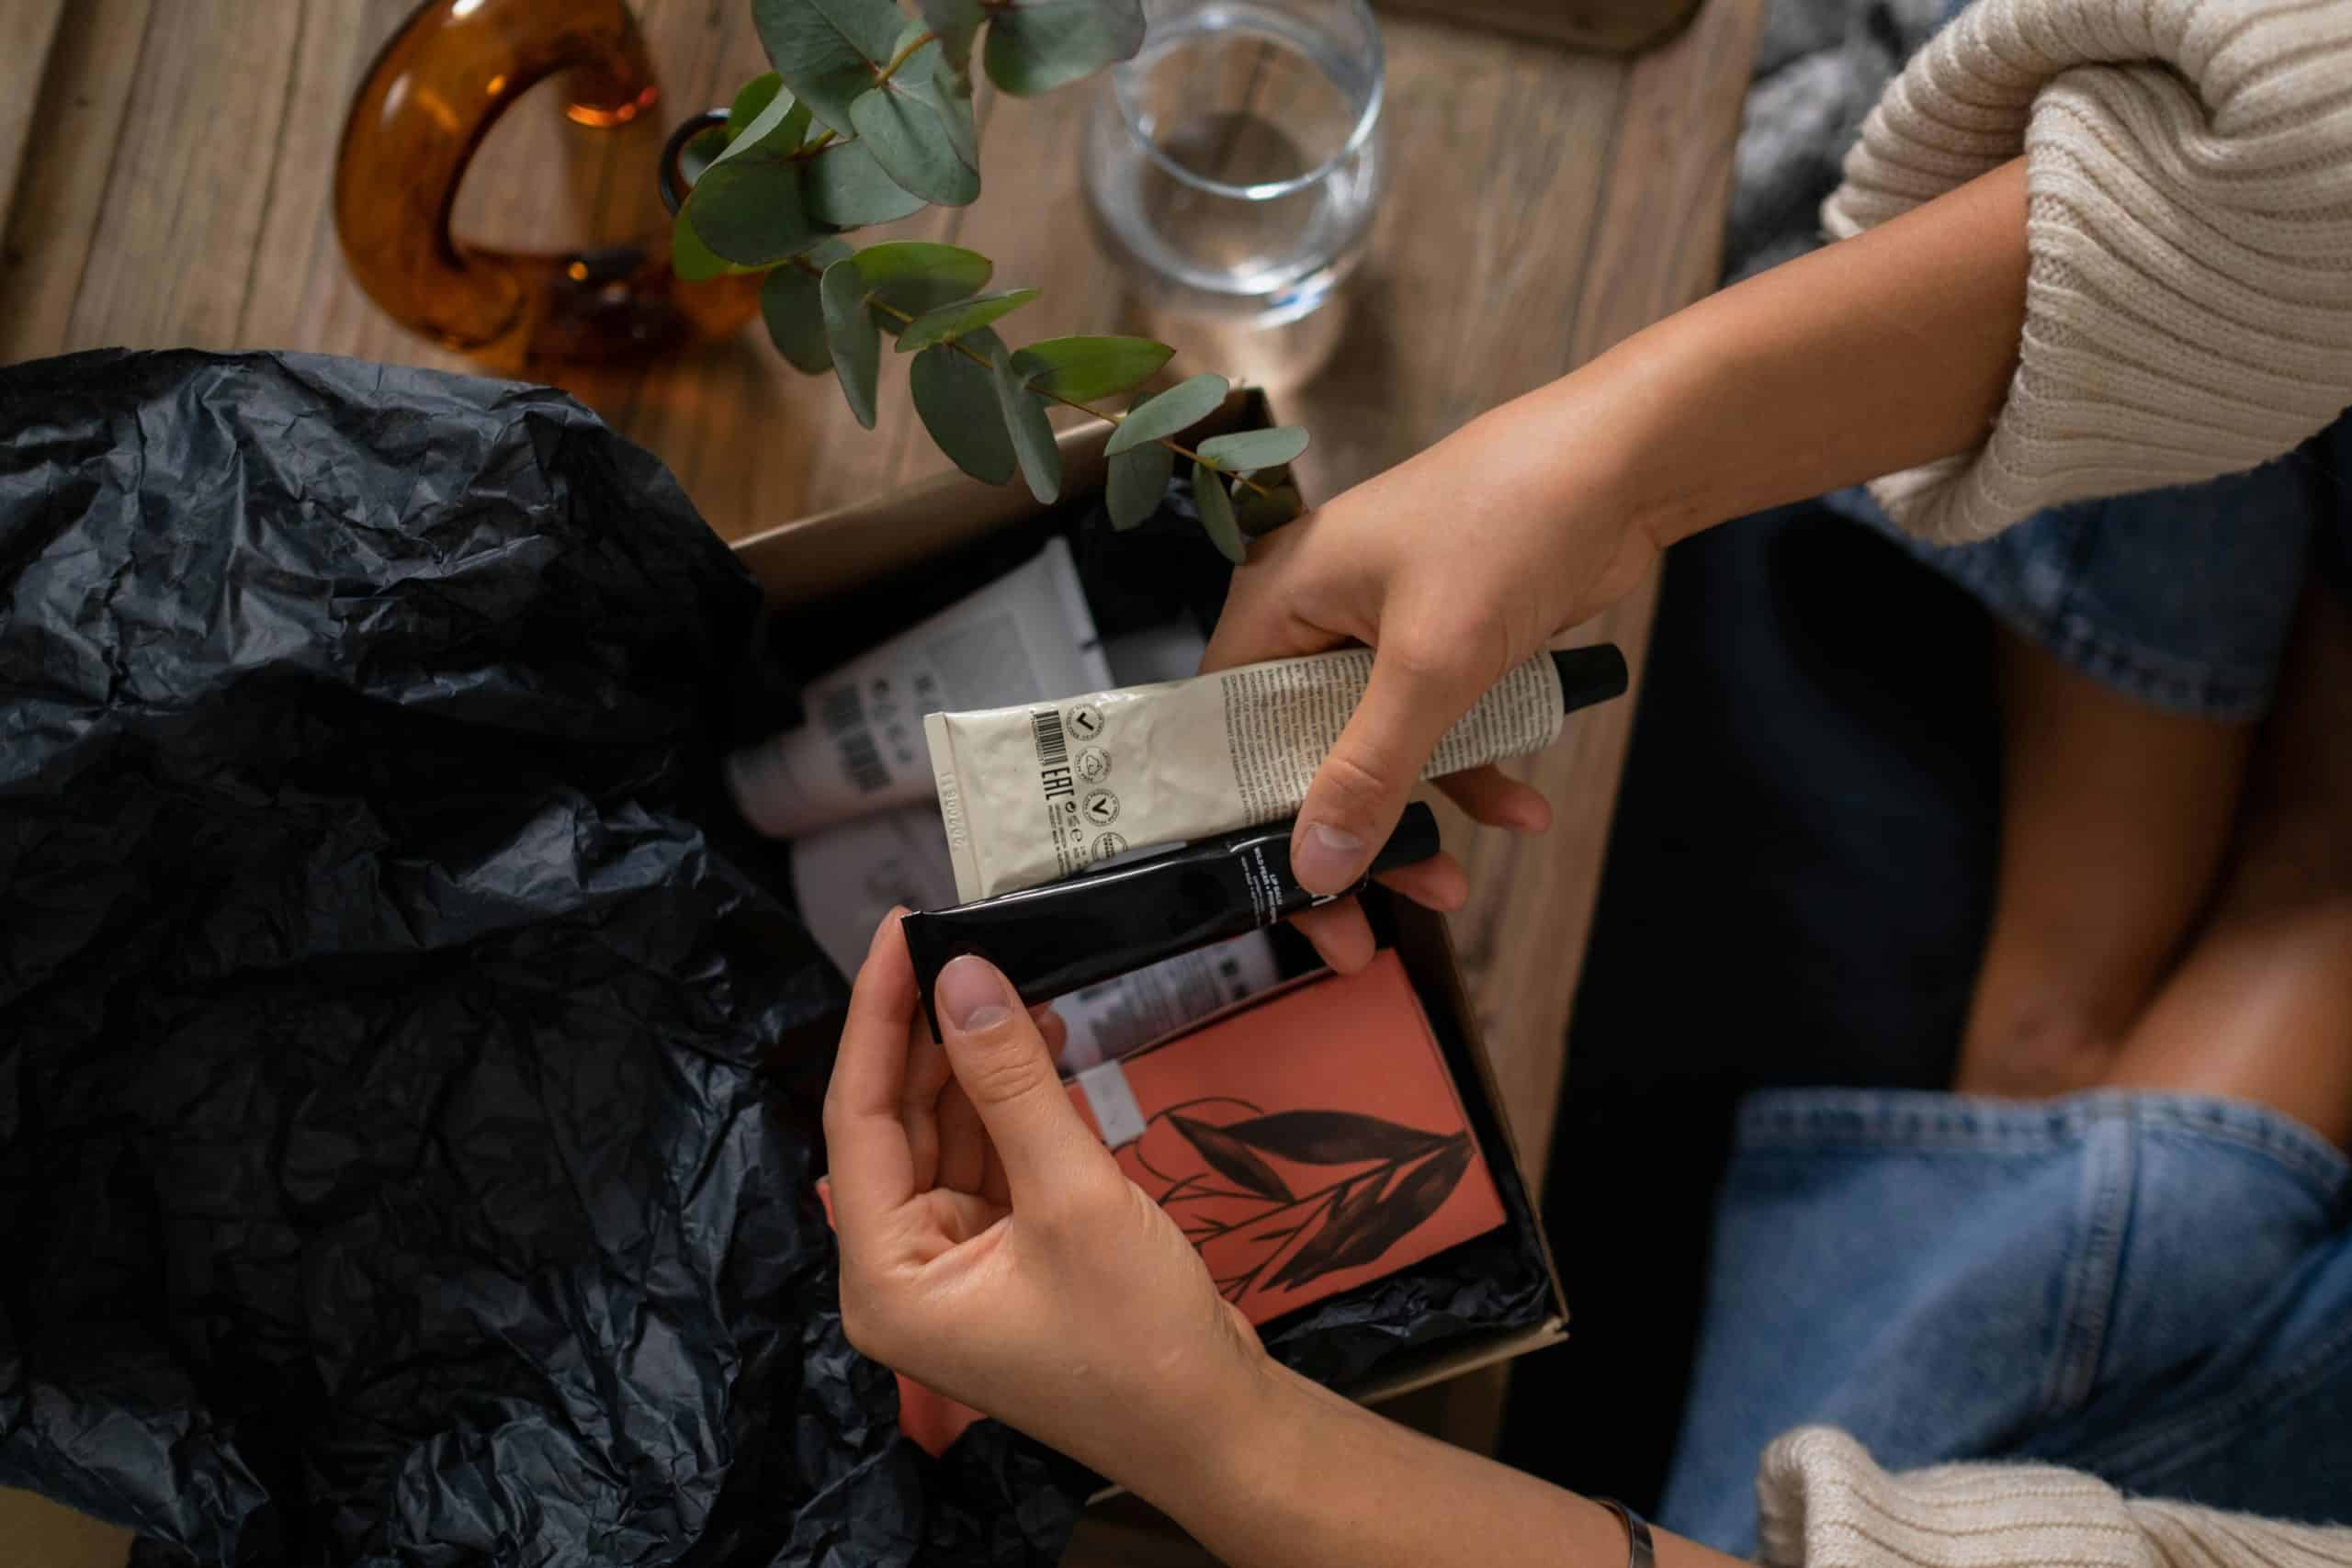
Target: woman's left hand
(993, 1250)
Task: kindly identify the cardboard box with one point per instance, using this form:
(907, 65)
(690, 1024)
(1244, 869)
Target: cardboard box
(853, 548)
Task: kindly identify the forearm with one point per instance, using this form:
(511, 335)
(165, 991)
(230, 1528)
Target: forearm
(1866, 357)
(1299, 1478)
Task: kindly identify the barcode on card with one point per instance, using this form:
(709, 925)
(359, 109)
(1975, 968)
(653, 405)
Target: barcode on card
(1053, 750)
(843, 714)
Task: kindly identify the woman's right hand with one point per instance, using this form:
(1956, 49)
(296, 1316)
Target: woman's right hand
(1878, 354)
(1454, 567)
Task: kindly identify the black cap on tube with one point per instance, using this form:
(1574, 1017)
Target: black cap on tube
(1415, 840)
(1064, 936)
(1590, 675)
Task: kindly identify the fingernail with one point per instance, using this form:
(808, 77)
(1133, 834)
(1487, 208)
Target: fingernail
(1327, 858)
(971, 995)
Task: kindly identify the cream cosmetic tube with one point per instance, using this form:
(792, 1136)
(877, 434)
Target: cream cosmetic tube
(1024, 635)
(1041, 791)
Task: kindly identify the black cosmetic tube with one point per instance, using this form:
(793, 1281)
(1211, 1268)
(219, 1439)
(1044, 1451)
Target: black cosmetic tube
(1590, 675)
(1064, 936)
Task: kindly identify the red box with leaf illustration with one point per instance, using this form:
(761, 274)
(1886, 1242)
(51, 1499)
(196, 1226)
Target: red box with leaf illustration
(1310, 1141)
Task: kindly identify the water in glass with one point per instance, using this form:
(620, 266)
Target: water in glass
(1233, 165)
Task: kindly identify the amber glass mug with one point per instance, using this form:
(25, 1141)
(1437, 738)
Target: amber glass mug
(449, 72)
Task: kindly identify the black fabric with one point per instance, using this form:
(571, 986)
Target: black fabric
(1820, 67)
(1798, 883)
(1799, 870)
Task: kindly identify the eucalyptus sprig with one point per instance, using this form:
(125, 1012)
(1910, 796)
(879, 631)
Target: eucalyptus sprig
(867, 118)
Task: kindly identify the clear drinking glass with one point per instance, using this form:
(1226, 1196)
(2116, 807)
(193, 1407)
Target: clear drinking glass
(1233, 165)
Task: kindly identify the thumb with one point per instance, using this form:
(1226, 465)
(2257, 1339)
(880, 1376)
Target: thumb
(1361, 789)
(1000, 1059)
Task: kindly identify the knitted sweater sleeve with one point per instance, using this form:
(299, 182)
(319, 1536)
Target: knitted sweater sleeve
(2188, 303)
(1824, 1505)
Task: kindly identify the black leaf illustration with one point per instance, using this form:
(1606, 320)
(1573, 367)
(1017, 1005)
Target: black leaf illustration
(1334, 1137)
(1358, 1200)
(1357, 1239)
(1232, 1158)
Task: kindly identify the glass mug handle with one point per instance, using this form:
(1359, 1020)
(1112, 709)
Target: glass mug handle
(450, 71)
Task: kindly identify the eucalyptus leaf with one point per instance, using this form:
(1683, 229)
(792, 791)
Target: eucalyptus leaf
(1179, 407)
(1247, 449)
(1033, 434)
(961, 319)
(955, 22)
(691, 259)
(1268, 507)
(845, 188)
(1035, 46)
(749, 99)
(701, 151)
(773, 134)
(1215, 508)
(950, 92)
(901, 120)
(918, 276)
(1138, 480)
(749, 211)
(794, 313)
(956, 397)
(851, 334)
(1082, 367)
(827, 50)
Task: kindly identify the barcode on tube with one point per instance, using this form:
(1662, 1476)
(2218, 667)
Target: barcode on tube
(844, 717)
(1053, 750)
(844, 711)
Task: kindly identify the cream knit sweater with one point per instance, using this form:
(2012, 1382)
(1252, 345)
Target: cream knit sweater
(1824, 1504)
(2189, 306)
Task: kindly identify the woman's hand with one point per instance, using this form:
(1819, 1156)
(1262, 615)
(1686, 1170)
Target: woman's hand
(1876, 354)
(1454, 567)
(992, 1249)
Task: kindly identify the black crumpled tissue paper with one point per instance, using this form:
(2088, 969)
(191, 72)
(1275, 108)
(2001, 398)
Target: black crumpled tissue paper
(408, 1062)
(395, 1167)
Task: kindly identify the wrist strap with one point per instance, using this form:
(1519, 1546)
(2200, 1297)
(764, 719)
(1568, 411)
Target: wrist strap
(1640, 1552)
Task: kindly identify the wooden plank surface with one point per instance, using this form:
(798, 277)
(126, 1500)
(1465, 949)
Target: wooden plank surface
(28, 29)
(1656, 243)
(1656, 246)
(165, 174)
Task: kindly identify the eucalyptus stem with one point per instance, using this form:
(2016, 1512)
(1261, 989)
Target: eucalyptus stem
(838, 61)
(805, 264)
(899, 59)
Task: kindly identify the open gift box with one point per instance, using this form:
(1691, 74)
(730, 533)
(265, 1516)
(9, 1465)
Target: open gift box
(843, 578)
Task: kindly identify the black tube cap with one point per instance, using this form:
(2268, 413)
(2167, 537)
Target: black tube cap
(1590, 675)
(1414, 840)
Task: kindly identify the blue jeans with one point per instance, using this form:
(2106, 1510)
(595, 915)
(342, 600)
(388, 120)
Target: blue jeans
(2154, 1288)
(2182, 598)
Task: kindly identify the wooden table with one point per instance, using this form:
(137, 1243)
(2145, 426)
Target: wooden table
(165, 168)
